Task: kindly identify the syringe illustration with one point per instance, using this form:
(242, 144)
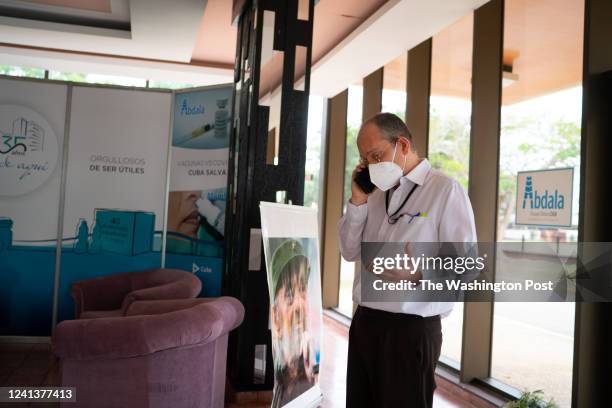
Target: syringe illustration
(220, 125)
(194, 134)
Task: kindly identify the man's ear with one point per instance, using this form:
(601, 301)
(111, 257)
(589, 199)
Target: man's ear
(405, 144)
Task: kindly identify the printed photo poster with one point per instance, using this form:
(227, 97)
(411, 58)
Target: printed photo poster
(291, 248)
(32, 118)
(115, 184)
(198, 180)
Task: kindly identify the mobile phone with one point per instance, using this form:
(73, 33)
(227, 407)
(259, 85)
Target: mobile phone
(362, 178)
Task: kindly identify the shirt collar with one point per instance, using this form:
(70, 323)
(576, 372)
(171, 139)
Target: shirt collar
(418, 173)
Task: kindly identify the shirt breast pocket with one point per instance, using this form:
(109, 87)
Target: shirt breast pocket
(414, 221)
(416, 229)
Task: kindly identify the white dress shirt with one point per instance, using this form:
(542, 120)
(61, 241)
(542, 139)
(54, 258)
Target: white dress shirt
(449, 218)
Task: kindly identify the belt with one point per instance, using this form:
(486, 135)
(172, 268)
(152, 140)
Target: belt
(392, 316)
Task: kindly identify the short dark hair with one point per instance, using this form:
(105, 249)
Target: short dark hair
(391, 127)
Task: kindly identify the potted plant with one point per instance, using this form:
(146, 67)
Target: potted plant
(532, 399)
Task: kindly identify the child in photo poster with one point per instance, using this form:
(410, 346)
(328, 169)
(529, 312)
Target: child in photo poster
(295, 364)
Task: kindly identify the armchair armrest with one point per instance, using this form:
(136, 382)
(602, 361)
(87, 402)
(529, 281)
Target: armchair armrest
(230, 308)
(151, 307)
(123, 337)
(180, 289)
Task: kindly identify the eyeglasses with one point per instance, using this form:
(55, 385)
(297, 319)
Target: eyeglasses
(376, 156)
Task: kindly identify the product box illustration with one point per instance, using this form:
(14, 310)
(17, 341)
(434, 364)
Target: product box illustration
(123, 232)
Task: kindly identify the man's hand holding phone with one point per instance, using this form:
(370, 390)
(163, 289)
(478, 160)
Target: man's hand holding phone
(360, 183)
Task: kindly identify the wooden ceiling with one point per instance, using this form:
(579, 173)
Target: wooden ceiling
(546, 36)
(543, 43)
(333, 21)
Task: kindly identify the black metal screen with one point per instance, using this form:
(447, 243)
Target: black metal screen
(252, 179)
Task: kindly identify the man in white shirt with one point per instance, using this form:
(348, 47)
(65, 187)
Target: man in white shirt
(394, 346)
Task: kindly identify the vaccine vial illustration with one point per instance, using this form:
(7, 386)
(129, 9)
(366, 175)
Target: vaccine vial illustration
(221, 119)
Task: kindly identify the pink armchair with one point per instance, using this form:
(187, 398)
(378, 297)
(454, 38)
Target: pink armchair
(173, 356)
(112, 295)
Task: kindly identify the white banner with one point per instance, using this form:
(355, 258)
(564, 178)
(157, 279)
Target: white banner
(291, 248)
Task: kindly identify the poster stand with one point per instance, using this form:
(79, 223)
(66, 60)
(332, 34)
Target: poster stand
(144, 211)
(291, 249)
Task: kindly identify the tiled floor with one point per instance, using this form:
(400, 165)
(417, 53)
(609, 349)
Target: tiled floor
(333, 370)
(33, 364)
(27, 365)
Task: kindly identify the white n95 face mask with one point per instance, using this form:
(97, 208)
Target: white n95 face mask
(385, 175)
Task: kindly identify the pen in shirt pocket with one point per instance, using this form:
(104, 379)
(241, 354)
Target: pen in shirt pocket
(421, 214)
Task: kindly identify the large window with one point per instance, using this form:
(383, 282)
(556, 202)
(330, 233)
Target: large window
(170, 85)
(540, 129)
(449, 132)
(97, 79)
(118, 80)
(22, 71)
(313, 151)
(353, 122)
(91, 78)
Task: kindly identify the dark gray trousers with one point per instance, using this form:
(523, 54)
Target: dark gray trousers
(391, 359)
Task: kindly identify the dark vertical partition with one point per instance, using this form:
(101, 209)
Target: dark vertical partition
(593, 330)
(253, 178)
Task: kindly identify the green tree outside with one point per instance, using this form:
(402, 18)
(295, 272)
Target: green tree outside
(22, 71)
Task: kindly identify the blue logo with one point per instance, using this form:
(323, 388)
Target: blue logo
(195, 268)
(187, 109)
(549, 201)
